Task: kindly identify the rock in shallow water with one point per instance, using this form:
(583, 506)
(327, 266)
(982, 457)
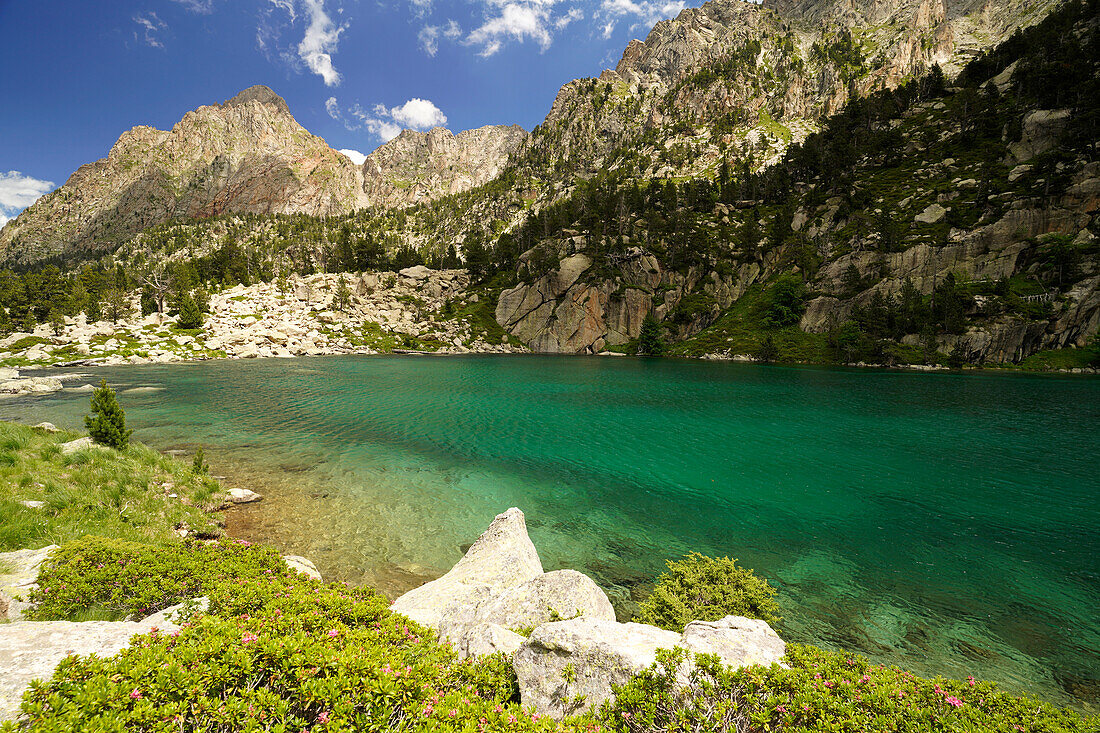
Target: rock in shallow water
(502, 558)
(242, 496)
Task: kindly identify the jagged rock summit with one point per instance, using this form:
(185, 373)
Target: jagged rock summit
(416, 167)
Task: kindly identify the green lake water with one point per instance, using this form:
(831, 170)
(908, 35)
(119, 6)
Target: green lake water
(946, 523)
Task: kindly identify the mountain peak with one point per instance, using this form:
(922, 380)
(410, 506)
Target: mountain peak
(258, 93)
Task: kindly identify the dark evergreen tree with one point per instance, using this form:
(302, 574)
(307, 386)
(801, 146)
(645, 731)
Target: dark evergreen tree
(107, 423)
(189, 316)
(649, 340)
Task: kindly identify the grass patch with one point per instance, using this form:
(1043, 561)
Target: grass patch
(1062, 359)
(742, 329)
(121, 494)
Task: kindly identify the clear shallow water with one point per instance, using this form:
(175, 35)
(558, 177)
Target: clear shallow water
(946, 523)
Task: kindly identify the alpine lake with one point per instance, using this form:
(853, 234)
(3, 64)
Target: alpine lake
(946, 523)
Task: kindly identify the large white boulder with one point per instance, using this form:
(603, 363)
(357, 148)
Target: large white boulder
(503, 557)
(554, 596)
(600, 654)
(19, 579)
(738, 641)
(302, 565)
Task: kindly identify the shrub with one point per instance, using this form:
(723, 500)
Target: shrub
(821, 691)
(189, 314)
(107, 423)
(114, 579)
(707, 589)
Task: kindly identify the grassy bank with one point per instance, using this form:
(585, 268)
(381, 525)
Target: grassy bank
(135, 494)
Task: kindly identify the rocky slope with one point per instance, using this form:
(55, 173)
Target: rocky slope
(417, 310)
(246, 155)
(420, 166)
(741, 81)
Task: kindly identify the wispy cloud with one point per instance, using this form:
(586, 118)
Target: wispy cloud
(202, 7)
(319, 43)
(430, 34)
(17, 192)
(319, 39)
(519, 21)
(642, 14)
(150, 25)
(387, 122)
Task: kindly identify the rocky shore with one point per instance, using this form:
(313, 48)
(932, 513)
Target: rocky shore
(416, 309)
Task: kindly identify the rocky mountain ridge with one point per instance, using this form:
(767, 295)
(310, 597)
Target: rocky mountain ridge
(247, 155)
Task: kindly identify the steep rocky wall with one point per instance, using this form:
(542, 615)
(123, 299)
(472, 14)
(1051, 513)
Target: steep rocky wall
(416, 167)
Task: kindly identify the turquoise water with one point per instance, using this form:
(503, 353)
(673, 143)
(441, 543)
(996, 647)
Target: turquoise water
(946, 523)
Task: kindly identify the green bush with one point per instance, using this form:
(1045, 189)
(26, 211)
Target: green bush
(107, 423)
(822, 691)
(707, 589)
(108, 578)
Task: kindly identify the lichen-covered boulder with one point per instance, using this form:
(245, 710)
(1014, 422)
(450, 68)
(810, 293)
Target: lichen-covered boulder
(484, 638)
(738, 641)
(503, 557)
(600, 653)
(553, 596)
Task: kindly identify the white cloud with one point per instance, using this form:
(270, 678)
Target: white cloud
(387, 123)
(429, 36)
(319, 43)
(421, 8)
(151, 25)
(203, 7)
(517, 21)
(286, 6)
(355, 156)
(644, 13)
(17, 192)
(572, 15)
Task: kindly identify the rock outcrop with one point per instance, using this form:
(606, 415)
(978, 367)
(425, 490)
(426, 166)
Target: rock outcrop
(499, 587)
(575, 651)
(416, 167)
(19, 578)
(600, 654)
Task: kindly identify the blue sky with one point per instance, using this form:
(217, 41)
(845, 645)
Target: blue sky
(75, 74)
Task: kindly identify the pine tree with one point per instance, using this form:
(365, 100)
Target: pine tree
(57, 321)
(649, 340)
(107, 423)
(343, 294)
(190, 316)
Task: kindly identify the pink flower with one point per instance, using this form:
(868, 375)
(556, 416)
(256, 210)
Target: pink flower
(248, 638)
(333, 633)
(323, 717)
(952, 700)
(781, 708)
(135, 694)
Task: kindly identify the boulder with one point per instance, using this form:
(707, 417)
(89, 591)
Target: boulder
(20, 579)
(416, 272)
(738, 641)
(931, 215)
(30, 651)
(302, 565)
(554, 596)
(601, 654)
(48, 427)
(32, 504)
(242, 496)
(485, 638)
(31, 385)
(503, 557)
(76, 445)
